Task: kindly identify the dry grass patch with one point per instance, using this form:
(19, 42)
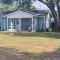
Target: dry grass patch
(29, 44)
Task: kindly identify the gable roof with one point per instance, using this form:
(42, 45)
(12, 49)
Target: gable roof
(25, 14)
(20, 14)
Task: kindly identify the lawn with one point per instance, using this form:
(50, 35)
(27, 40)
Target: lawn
(36, 43)
(30, 42)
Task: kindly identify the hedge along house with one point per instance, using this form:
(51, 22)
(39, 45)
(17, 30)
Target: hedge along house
(22, 20)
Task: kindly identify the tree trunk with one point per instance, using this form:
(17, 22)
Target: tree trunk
(56, 19)
(55, 14)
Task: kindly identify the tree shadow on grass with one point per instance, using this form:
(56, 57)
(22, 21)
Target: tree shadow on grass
(13, 54)
(39, 34)
(55, 35)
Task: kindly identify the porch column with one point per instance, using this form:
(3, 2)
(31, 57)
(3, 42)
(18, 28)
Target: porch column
(32, 25)
(35, 24)
(20, 24)
(7, 24)
(4, 24)
(44, 24)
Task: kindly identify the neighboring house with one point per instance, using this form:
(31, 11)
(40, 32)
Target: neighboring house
(23, 21)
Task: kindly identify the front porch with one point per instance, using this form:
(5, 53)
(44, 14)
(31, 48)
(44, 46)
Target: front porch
(23, 21)
(19, 24)
(23, 24)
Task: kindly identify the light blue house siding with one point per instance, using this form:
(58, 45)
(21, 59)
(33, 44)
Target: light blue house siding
(40, 23)
(4, 24)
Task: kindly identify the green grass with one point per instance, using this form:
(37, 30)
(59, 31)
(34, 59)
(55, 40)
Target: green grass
(30, 46)
(40, 34)
(31, 42)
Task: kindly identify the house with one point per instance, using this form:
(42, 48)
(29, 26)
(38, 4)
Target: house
(23, 21)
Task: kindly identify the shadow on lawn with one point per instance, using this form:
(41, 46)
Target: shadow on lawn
(39, 34)
(13, 54)
(35, 34)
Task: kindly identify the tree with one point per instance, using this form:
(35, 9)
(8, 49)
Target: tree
(54, 6)
(18, 4)
(27, 4)
(7, 1)
(24, 4)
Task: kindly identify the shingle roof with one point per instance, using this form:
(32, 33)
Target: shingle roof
(21, 14)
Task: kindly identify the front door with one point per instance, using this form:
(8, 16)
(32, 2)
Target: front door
(25, 24)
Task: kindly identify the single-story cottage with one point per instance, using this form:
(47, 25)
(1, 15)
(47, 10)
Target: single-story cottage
(24, 21)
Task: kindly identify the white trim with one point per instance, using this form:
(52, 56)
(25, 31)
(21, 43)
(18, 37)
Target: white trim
(35, 24)
(20, 24)
(4, 24)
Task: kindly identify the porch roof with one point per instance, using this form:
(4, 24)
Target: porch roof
(24, 14)
(20, 14)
